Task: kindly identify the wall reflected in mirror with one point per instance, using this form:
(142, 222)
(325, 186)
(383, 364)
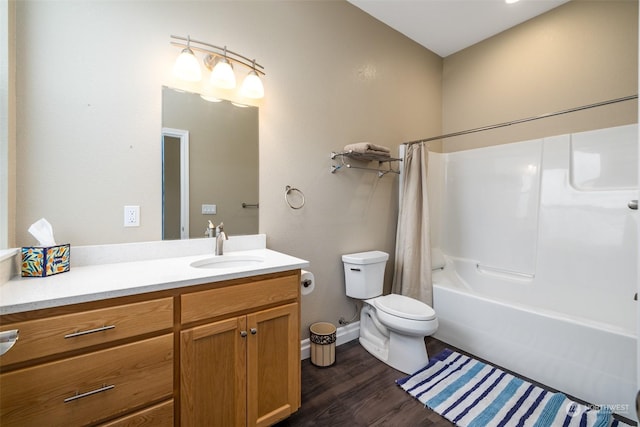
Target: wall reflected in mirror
(209, 164)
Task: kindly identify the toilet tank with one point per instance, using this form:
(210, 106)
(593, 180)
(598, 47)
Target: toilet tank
(364, 273)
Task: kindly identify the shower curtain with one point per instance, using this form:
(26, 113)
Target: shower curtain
(412, 272)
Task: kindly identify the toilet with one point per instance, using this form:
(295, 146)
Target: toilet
(392, 327)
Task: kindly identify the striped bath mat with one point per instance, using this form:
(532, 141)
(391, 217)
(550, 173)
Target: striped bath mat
(471, 393)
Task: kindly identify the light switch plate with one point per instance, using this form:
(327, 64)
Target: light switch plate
(209, 209)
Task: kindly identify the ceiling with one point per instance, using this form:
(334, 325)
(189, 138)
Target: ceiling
(447, 26)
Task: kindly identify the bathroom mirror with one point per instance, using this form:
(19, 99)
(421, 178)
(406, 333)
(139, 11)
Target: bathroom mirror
(209, 165)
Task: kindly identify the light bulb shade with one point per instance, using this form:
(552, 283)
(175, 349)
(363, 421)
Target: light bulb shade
(187, 66)
(252, 86)
(222, 75)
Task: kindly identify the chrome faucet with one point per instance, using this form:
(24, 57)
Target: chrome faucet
(221, 236)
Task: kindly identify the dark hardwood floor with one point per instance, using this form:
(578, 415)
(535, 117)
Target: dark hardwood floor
(360, 390)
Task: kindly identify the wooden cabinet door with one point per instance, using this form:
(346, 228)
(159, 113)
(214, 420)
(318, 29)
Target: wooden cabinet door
(273, 365)
(213, 374)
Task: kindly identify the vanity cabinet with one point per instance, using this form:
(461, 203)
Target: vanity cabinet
(215, 354)
(243, 368)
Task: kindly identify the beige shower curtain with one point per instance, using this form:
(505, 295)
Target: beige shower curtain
(412, 273)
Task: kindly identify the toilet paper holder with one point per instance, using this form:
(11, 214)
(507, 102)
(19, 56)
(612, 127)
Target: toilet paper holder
(307, 282)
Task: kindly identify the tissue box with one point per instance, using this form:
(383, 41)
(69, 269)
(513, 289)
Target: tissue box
(39, 261)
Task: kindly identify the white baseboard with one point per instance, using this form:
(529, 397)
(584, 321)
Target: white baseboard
(344, 334)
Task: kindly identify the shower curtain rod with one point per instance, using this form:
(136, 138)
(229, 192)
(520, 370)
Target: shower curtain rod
(528, 119)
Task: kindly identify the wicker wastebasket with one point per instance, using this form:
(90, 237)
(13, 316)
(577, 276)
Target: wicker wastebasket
(323, 344)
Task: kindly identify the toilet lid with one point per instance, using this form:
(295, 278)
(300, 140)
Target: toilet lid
(405, 307)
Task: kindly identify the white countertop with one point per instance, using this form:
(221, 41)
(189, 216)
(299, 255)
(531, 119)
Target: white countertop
(93, 282)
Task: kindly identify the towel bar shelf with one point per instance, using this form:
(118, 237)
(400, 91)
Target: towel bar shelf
(364, 157)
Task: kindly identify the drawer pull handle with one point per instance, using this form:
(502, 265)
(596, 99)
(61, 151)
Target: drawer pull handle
(89, 393)
(243, 334)
(253, 331)
(7, 340)
(89, 331)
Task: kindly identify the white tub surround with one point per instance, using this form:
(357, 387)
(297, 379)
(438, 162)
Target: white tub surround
(541, 252)
(109, 271)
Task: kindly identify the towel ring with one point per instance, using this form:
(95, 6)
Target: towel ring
(287, 191)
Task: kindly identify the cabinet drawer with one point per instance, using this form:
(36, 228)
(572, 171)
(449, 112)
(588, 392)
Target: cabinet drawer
(160, 415)
(235, 298)
(88, 388)
(58, 334)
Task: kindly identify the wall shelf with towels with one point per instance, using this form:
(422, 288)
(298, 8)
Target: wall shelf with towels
(364, 157)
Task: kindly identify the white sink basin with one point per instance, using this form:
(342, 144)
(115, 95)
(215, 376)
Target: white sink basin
(228, 261)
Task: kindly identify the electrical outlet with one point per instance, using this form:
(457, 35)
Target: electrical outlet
(132, 216)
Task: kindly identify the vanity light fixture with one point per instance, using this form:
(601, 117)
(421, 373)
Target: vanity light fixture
(252, 85)
(222, 73)
(219, 61)
(511, 1)
(186, 66)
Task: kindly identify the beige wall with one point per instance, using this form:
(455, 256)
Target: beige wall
(580, 53)
(89, 116)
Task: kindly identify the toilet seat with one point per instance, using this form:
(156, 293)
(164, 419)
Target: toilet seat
(404, 307)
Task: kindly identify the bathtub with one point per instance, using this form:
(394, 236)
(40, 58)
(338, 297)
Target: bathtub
(587, 358)
(541, 255)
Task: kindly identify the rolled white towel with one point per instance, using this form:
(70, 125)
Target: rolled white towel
(366, 147)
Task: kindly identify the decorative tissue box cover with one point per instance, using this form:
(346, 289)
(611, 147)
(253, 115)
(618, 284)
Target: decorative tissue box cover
(39, 261)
